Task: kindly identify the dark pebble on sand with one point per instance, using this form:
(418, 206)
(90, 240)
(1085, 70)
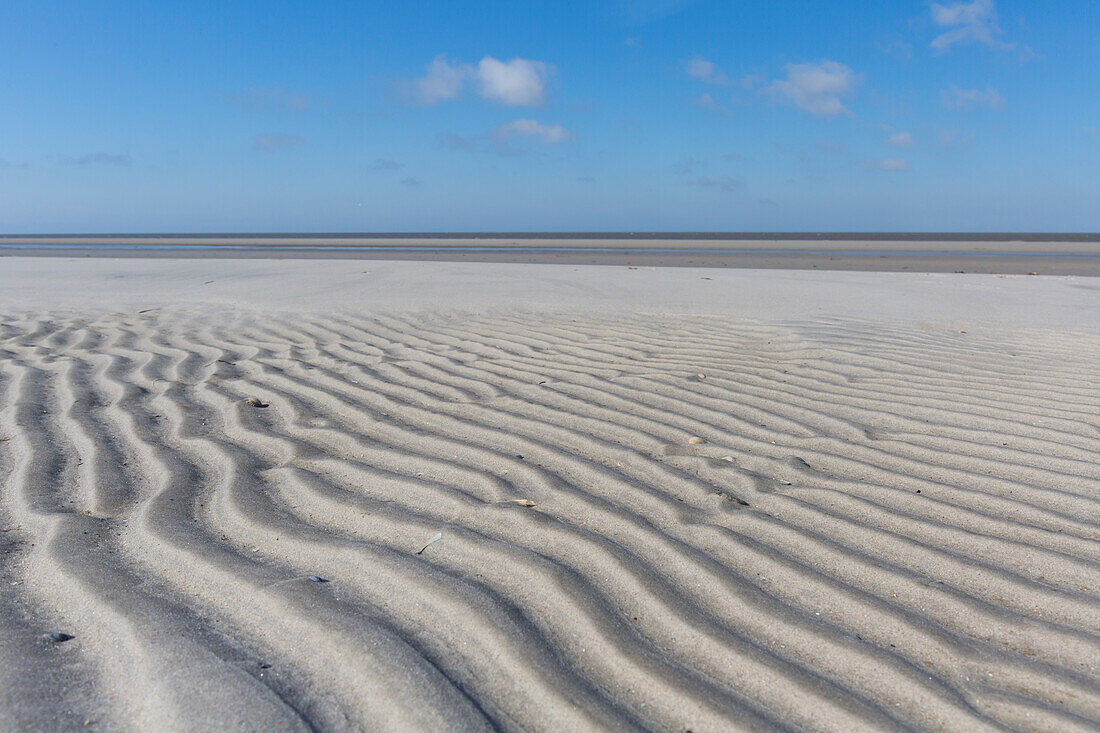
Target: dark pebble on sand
(59, 636)
(318, 579)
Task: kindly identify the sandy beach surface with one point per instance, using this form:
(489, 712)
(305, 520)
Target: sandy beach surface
(371, 495)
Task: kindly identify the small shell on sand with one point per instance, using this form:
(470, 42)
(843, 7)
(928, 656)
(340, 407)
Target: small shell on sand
(695, 440)
(731, 459)
(522, 502)
(59, 637)
(255, 402)
(318, 579)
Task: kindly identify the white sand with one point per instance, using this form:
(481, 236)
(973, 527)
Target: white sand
(833, 501)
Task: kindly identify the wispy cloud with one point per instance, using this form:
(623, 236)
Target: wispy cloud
(887, 164)
(456, 142)
(900, 139)
(410, 182)
(109, 159)
(533, 131)
(751, 81)
(518, 82)
(898, 49)
(705, 71)
(511, 138)
(275, 141)
(12, 164)
(957, 98)
(816, 88)
(830, 146)
(689, 165)
(972, 22)
(722, 184)
(385, 164)
(705, 101)
(952, 138)
(266, 99)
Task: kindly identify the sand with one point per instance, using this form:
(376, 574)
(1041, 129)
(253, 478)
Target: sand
(437, 496)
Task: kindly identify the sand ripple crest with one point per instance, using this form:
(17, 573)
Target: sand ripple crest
(526, 522)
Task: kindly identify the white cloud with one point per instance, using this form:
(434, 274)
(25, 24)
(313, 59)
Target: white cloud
(699, 68)
(533, 131)
(705, 71)
(887, 164)
(515, 82)
(900, 139)
(957, 98)
(442, 81)
(816, 88)
(973, 22)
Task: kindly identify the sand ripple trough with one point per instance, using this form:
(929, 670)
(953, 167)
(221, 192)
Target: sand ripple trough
(666, 523)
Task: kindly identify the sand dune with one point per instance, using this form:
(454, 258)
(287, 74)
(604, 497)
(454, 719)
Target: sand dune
(671, 523)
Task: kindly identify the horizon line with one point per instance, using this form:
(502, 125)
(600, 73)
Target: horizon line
(646, 235)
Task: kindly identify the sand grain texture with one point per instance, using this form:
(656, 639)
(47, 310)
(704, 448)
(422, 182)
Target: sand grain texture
(663, 522)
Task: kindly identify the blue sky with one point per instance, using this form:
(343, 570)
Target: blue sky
(849, 115)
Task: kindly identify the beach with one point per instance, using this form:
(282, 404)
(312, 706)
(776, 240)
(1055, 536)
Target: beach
(369, 494)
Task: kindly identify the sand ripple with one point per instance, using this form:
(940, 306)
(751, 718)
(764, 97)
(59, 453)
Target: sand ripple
(662, 523)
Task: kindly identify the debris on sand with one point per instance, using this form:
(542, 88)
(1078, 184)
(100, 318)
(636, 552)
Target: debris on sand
(437, 538)
(255, 402)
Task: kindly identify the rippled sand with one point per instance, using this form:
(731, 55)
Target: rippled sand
(671, 522)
